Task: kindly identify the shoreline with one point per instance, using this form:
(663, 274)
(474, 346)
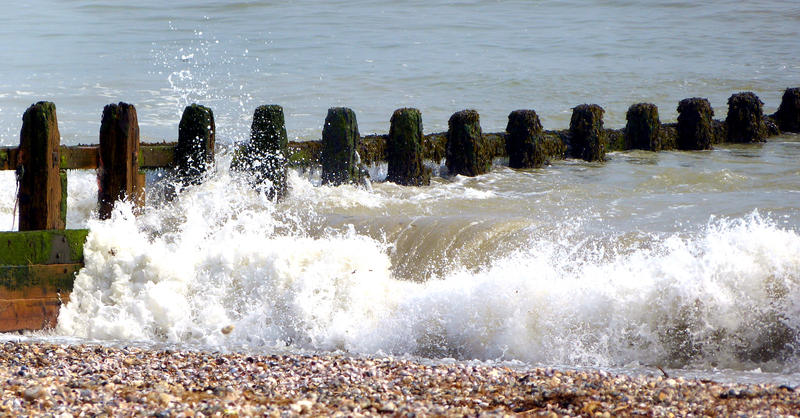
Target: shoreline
(41, 378)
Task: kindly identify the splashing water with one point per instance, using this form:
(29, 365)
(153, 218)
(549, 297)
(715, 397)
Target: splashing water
(723, 296)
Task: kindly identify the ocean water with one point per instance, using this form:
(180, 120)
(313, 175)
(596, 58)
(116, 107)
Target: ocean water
(684, 260)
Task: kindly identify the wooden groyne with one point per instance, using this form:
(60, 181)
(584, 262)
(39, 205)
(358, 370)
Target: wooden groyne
(38, 263)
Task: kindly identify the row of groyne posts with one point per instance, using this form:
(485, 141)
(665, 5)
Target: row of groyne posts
(40, 162)
(38, 263)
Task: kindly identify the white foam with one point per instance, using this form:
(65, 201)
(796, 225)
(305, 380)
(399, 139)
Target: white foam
(726, 295)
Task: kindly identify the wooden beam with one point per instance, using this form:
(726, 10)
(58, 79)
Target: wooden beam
(86, 157)
(42, 247)
(118, 174)
(40, 193)
(81, 157)
(157, 155)
(31, 296)
(196, 142)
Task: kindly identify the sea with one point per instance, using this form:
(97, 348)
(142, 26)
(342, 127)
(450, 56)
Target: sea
(684, 261)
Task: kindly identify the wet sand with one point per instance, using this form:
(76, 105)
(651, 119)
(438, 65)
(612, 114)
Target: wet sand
(64, 380)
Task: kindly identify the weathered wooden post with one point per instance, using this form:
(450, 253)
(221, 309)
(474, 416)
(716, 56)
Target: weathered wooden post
(695, 124)
(42, 186)
(404, 149)
(118, 174)
(264, 156)
(524, 140)
(745, 120)
(642, 128)
(196, 136)
(587, 136)
(788, 114)
(340, 139)
(466, 152)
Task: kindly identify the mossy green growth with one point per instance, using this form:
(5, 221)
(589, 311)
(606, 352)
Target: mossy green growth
(27, 277)
(642, 129)
(586, 132)
(194, 153)
(695, 124)
(745, 120)
(340, 139)
(434, 147)
(788, 115)
(615, 140)
(668, 136)
(404, 149)
(524, 139)
(372, 148)
(265, 155)
(495, 144)
(42, 247)
(467, 152)
(304, 153)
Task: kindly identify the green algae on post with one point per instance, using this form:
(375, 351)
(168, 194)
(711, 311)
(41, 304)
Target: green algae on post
(788, 114)
(194, 154)
(404, 149)
(524, 140)
(264, 156)
(642, 128)
(42, 247)
(695, 124)
(745, 120)
(587, 136)
(466, 151)
(340, 140)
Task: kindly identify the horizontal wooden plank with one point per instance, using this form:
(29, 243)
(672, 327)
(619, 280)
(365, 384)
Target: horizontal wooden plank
(42, 247)
(79, 157)
(156, 155)
(20, 281)
(86, 157)
(29, 314)
(31, 296)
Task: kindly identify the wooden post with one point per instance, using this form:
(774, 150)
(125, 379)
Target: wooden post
(194, 153)
(466, 151)
(587, 136)
(265, 155)
(745, 120)
(788, 114)
(118, 172)
(42, 199)
(642, 129)
(404, 149)
(340, 140)
(524, 140)
(695, 124)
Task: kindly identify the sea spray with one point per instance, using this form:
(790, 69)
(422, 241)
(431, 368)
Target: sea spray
(724, 295)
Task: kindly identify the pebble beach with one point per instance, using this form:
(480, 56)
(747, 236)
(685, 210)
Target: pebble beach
(92, 380)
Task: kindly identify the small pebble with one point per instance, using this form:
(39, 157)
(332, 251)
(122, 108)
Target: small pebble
(32, 393)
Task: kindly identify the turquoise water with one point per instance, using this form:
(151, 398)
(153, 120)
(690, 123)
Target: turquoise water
(686, 260)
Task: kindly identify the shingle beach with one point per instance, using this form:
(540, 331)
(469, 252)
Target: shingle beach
(91, 380)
